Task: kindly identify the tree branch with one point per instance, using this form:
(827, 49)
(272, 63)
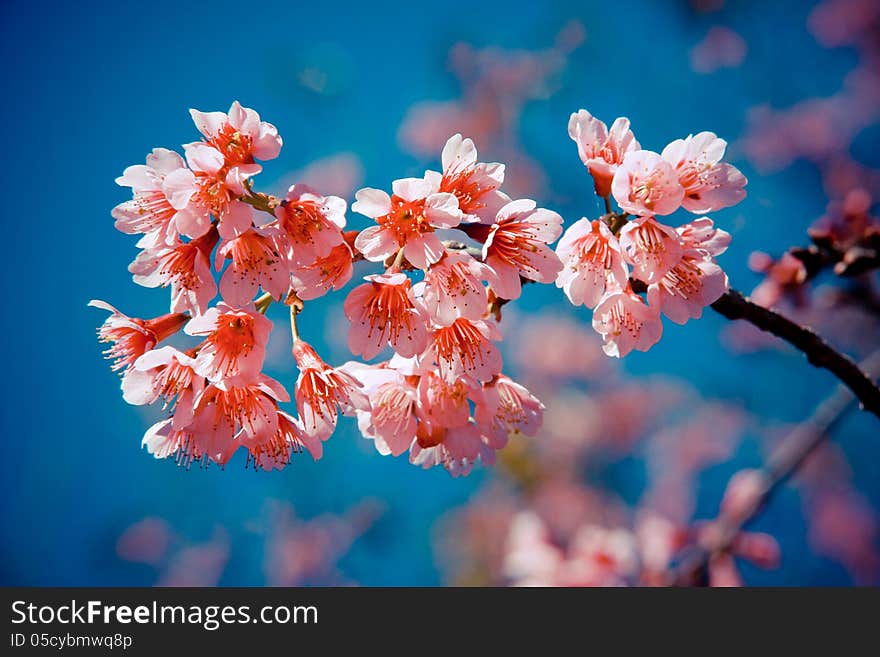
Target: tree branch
(781, 465)
(733, 305)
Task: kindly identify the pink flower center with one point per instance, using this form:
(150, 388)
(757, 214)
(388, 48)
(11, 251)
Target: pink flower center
(683, 280)
(406, 221)
(130, 343)
(595, 251)
(213, 193)
(648, 190)
(468, 192)
(302, 220)
(154, 211)
(512, 242)
(393, 407)
(323, 390)
(172, 380)
(460, 340)
(235, 146)
(510, 409)
(253, 252)
(232, 339)
(390, 306)
(621, 319)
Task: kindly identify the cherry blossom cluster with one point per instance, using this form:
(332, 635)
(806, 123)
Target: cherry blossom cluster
(441, 395)
(628, 266)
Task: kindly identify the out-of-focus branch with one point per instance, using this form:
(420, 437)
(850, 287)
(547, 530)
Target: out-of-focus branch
(782, 464)
(733, 305)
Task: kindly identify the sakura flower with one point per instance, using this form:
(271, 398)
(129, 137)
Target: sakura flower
(505, 406)
(315, 279)
(784, 277)
(391, 421)
(256, 261)
(235, 342)
(601, 150)
(701, 235)
(384, 311)
(455, 449)
(453, 288)
(239, 135)
(166, 373)
(517, 247)
(186, 267)
(165, 440)
(155, 209)
(213, 189)
(708, 183)
(274, 452)
(691, 285)
(236, 411)
(465, 348)
(646, 184)
(132, 337)
(312, 223)
(626, 323)
(592, 262)
(445, 403)
(475, 184)
(651, 247)
(406, 220)
(321, 390)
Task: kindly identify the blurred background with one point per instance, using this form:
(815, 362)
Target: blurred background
(367, 92)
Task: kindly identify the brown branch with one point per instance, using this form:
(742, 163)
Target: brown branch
(733, 305)
(782, 464)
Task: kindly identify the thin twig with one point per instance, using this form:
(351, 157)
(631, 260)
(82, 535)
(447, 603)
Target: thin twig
(782, 464)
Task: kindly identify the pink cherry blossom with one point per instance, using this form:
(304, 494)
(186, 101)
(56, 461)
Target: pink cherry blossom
(650, 247)
(646, 184)
(384, 311)
(155, 209)
(312, 223)
(592, 262)
(465, 348)
(213, 189)
(315, 279)
(702, 235)
(235, 342)
(132, 337)
(601, 150)
(708, 183)
(456, 449)
(234, 412)
(406, 220)
(504, 407)
(688, 287)
(321, 390)
(256, 260)
(476, 185)
(445, 403)
(275, 452)
(392, 419)
(168, 374)
(239, 135)
(453, 288)
(517, 247)
(186, 267)
(625, 323)
(165, 440)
